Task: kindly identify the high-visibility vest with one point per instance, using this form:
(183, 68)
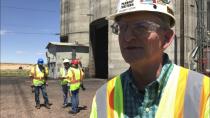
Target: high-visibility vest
(64, 73)
(186, 95)
(38, 75)
(75, 78)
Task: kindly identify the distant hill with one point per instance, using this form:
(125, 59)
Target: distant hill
(14, 66)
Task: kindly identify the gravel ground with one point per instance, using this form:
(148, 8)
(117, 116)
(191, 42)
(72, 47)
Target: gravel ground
(17, 101)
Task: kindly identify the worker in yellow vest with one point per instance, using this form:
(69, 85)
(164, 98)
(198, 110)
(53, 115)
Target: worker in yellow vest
(81, 68)
(153, 87)
(65, 81)
(39, 74)
(76, 77)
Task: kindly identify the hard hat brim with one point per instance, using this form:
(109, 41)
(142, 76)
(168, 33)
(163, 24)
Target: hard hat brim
(147, 8)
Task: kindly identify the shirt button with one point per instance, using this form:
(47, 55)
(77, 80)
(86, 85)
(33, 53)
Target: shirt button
(147, 109)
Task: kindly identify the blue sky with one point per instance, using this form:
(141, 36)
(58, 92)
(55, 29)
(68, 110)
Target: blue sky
(26, 28)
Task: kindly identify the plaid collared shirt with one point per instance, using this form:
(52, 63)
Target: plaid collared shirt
(144, 104)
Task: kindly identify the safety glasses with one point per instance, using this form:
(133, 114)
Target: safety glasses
(137, 28)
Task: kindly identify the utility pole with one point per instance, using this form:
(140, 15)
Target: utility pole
(208, 53)
(200, 33)
(182, 41)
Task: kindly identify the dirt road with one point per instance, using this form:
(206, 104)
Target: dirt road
(17, 101)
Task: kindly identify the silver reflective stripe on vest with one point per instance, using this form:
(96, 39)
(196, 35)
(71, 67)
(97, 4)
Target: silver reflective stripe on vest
(101, 102)
(192, 95)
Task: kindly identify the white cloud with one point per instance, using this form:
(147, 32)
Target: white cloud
(19, 52)
(40, 53)
(45, 30)
(3, 32)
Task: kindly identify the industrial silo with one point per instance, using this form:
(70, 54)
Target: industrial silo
(84, 21)
(75, 26)
(80, 16)
(106, 55)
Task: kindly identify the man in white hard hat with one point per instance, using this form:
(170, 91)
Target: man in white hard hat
(64, 81)
(152, 86)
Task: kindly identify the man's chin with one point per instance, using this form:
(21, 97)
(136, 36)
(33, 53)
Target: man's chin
(137, 62)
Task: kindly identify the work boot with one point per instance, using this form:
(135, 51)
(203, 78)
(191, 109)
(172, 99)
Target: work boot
(65, 105)
(83, 88)
(38, 106)
(47, 106)
(73, 112)
(50, 103)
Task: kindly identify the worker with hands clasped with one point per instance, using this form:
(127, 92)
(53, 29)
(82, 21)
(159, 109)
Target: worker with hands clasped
(153, 87)
(65, 81)
(39, 74)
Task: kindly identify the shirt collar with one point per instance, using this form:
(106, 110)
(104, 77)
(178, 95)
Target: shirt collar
(160, 81)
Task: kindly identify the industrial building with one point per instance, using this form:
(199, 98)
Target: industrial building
(58, 51)
(84, 21)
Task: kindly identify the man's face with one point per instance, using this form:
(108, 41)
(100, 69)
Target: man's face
(74, 65)
(40, 65)
(66, 65)
(140, 37)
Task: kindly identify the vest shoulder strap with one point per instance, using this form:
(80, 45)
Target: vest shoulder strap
(193, 95)
(182, 95)
(73, 75)
(110, 95)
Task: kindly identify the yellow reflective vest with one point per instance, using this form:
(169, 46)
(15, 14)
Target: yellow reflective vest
(186, 95)
(75, 76)
(64, 74)
(38, 75)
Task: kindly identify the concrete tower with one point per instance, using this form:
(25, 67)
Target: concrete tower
(84, 21)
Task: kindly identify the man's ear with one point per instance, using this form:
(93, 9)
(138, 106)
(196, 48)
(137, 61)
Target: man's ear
(168, 38)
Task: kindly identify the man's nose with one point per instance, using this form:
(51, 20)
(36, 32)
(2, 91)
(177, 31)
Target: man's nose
(129, 35)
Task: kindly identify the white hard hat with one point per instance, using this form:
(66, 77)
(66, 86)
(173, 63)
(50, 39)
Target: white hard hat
(157, 6)
(66, 61)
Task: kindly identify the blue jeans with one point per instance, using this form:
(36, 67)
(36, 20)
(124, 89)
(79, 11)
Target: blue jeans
(75, 100)
(65, 89)
(44, 94)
